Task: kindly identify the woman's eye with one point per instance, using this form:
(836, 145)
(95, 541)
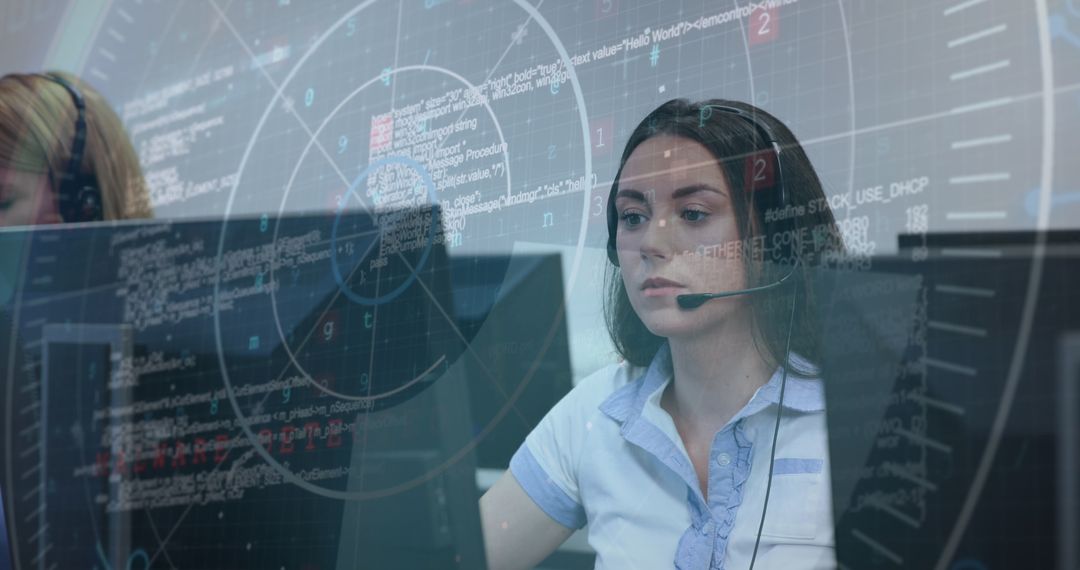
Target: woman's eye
(632, 219)
(694, 215)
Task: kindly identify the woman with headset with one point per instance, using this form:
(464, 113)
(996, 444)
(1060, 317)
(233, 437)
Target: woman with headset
(64, 155)
(706, 446)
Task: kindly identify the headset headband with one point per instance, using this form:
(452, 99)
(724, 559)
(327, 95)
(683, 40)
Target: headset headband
(78, 144)
(77, 202)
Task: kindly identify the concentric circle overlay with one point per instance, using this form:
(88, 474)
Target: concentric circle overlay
(341, 279)
(289, 186)
(534, 16)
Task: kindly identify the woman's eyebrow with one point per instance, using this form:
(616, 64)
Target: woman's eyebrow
(693, 189)
(632, 195)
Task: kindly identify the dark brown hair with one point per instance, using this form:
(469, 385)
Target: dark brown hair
(732, 139)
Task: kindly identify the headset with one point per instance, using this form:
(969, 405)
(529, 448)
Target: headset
(78, 197)
(692, 301)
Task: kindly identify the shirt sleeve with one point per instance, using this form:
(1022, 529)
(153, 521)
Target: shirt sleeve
(546, 465)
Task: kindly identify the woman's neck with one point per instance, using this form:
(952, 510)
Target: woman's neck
(715, 375)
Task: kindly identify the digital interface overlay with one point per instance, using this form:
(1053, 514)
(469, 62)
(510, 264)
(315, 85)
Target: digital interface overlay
(278, 121)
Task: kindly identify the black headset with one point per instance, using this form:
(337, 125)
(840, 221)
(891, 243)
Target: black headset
(78, 197)
(692, 301)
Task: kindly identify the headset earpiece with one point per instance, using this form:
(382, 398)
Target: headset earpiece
(86, 205)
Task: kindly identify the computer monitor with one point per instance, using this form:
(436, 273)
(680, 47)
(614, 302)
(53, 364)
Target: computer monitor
(79, 367)
(1068, 449)
(11, 366)
(513, 310)
(250, 393)
(941, 367)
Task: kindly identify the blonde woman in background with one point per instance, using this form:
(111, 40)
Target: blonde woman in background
(44, 177)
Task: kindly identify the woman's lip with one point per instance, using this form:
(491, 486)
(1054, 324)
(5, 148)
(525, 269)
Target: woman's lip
(662, 291)
(660, 282)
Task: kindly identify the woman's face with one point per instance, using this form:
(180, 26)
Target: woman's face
(26, 199)
(673, 200)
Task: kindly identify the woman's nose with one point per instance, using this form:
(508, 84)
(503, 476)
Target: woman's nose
(656, 240)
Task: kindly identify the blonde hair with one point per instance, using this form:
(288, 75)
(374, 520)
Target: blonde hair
(37, 127)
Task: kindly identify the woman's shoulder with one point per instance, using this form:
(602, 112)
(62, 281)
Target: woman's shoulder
(594, 389)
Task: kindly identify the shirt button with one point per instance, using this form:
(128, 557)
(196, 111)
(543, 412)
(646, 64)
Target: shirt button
(723, 459)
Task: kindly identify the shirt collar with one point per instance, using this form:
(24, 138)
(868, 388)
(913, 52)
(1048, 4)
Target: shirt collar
(801, 394)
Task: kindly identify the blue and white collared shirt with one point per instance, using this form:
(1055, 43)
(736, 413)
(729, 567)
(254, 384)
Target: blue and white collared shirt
(609, 456)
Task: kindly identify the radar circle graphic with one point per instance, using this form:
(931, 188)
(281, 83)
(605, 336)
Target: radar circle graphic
(380, 299)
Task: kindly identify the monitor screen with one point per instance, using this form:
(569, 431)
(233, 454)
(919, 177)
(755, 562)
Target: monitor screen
(217, 396)
(947, 385)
